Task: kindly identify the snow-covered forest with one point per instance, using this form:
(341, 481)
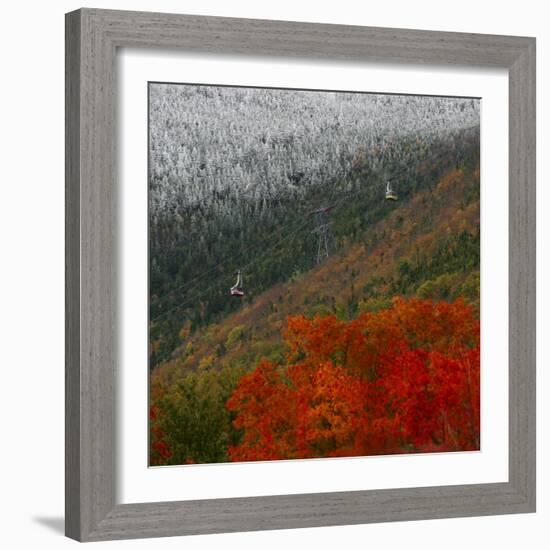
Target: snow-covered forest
(233, 171)
(208, 142)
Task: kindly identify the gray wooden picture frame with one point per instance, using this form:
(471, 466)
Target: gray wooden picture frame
(92, 38)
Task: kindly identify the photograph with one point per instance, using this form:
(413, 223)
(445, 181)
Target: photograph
(314, 274)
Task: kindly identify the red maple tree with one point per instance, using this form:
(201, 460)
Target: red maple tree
(400, 380)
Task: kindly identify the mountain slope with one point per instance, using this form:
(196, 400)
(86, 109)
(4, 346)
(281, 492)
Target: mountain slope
(426, 245)
(232, 170)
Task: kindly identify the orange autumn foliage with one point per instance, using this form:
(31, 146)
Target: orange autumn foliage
(400, 380)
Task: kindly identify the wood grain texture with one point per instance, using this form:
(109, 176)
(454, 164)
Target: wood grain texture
(522, 274)
(92, 37)
(307, 510)
(312, 40)
(72, 276)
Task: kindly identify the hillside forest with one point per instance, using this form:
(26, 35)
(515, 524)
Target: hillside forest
(353, 219)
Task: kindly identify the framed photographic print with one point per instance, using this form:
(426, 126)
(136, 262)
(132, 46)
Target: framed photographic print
(300, 275)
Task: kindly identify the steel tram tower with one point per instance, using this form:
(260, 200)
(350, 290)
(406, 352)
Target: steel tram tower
(324, 233)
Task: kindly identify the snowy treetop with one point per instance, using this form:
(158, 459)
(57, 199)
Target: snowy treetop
(208, 143)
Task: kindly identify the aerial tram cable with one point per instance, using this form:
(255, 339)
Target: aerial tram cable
(322, 248)
(389, 195)
(179, 306)
(189, 285)
(252, 262)
(238, 289)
